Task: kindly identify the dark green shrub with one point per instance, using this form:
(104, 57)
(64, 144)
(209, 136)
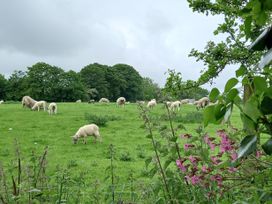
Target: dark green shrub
(100, 120)
(125, 156)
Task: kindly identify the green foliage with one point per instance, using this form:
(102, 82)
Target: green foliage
(247, 146)
(3, 87)
(17, 86)
(126, 156)
(100, 120)
(179, 89)
(150, 89)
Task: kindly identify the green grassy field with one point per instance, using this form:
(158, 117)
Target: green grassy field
(35, 130)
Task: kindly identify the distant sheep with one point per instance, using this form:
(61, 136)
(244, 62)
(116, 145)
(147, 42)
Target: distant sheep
(202, 103)
(175, 105)
(28, 102)
(104, 100)
(121, 101)
(140, 102)
(152, 103)
(2, 101)
(38, 105)
(78, 101)
(85, 131)
(168, 103)
(185, 101)
(52, 108)
(91, 101)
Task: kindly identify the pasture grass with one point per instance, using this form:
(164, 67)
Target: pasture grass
(35, 130)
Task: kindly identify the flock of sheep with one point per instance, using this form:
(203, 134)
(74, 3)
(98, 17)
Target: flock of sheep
(93, 129)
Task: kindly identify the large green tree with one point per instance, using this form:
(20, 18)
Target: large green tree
(131, 82)
(17, 86)
(3, 87)
(94, 76)
(150, 89)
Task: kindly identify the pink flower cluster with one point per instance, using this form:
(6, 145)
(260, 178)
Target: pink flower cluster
(205, 174)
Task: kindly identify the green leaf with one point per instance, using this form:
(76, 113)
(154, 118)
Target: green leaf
(248, 21)
(219, 112)
(230, 84)
(208, 115)
(267, 147)
(241, 71)
(214, 94)
(228, 114)
(148, 161)
(266, 105)
(167, 163)
(247, 146)
(232, 94)
(260, 84)
(251, 108)
(248, 123)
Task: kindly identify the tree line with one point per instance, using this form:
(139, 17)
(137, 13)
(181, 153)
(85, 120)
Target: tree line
(43, 81)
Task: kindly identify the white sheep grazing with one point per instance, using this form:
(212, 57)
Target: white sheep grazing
(152, 103)
(121, 101)
(185, 101)
(85, 131)
(52, 108)
(27, 101)
(104, 100)
(78, 101)
(38, 105)
(168, 103)
(2, 101)
(202, 103)
(175, 105)
(91, 101)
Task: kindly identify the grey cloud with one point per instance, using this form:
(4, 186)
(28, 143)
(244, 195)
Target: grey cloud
(150, 35)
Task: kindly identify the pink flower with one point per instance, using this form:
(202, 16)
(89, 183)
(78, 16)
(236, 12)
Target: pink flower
(258, 154)
(181, 166)
(193, 160)
(218, 178)
(185, 136)
(204, 169)
(212, 146)
(232, 169)
(234, 156)
(215, 160)
(188, 146)
(195, 180)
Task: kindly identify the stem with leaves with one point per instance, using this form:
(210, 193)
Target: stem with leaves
(144, 114)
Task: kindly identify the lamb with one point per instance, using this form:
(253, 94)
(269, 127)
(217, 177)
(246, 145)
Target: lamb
(175, 105)
(104, 100)
(152, 103)
(85, 131)
(121, 101)
(27, 101)
(2, 101)
(78, 101)
(38, 105)
(185, 101)
(52, 108)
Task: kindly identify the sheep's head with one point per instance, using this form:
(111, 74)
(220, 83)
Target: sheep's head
(74, 139)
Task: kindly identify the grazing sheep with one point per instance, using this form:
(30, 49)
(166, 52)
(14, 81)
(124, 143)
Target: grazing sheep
(202, 103)
(78, 101)
(38, 105)
(185, 101)
(121, 101)
(52, 108)
(85, 131)
(140, 102)
(104, 100)
(175, 105)
(27, 101)
(152, 103)
(91, 101)
(2, 101)
(168, 103)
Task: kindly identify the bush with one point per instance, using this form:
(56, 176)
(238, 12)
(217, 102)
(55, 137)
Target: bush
(100, 120)
(125, 156)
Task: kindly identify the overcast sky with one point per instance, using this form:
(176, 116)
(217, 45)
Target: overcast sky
(150, 35)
